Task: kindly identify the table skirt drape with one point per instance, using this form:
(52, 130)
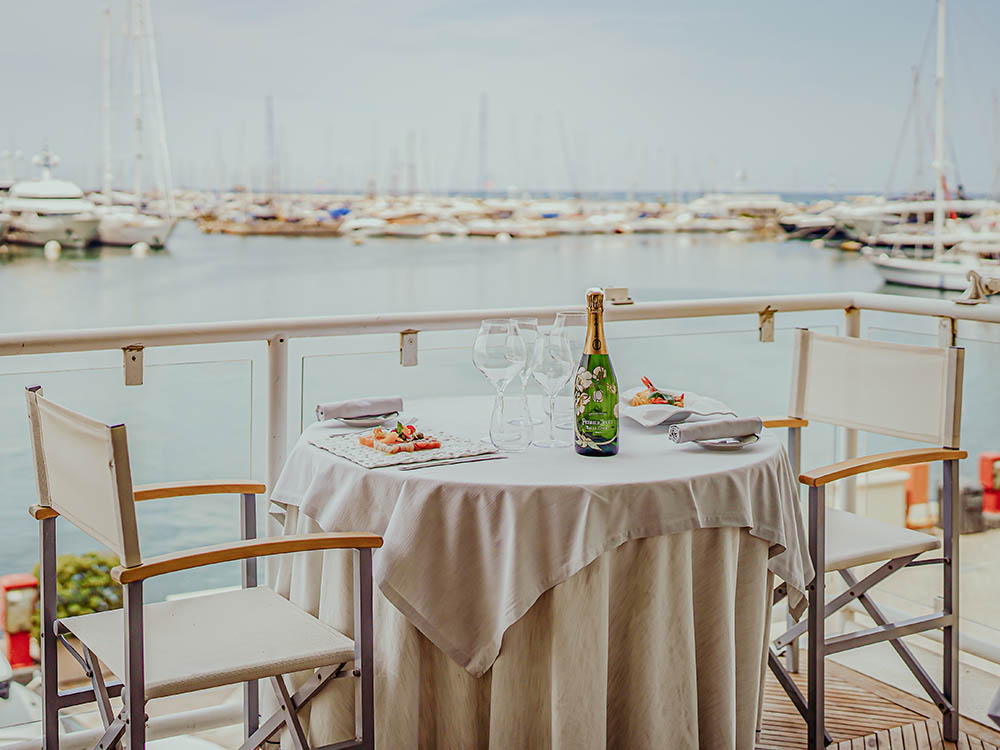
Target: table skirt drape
(656, 644)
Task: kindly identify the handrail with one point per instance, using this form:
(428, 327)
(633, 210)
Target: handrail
(179, 334)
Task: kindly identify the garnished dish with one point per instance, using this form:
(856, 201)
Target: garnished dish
(652, 395)
(403, 438)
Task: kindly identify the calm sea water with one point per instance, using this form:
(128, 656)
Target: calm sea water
(200, 411)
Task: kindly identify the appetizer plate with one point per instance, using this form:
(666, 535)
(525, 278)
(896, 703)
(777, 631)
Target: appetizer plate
(695, 405)
(728, 444)
(452, 447)
(371, 421)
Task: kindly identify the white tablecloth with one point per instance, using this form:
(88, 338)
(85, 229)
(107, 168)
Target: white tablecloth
(470, 548)
(655, 645)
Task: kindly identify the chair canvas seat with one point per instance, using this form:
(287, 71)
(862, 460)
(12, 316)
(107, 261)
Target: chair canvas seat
(853, 540)
(218, 639)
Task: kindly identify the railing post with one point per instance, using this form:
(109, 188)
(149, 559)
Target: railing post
(277, 407)
(947, 331)
(848, 500)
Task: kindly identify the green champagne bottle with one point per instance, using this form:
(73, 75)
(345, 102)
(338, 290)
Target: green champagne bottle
(595, 394)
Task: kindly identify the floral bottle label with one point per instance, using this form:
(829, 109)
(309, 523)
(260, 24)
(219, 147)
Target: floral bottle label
(596, 405)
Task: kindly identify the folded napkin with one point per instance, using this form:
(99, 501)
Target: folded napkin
(371, 406)
(715, 429)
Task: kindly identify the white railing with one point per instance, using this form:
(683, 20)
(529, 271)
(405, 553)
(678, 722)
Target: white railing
(278, 332)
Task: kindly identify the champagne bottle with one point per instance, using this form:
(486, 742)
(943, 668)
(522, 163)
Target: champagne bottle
(595, 394)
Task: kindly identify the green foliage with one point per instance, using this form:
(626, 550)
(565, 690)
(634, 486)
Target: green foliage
(83, 585)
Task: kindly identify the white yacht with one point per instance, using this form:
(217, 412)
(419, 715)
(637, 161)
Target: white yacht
(48, 209)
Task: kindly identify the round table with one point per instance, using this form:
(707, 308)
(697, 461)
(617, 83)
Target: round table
(549, 599)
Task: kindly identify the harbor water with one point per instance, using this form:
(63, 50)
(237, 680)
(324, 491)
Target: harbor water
(200, 411)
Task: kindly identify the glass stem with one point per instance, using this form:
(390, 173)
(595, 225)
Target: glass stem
(498, 408)
(552, 417)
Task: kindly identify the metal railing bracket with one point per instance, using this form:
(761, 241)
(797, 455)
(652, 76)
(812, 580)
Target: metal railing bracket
(132, 357)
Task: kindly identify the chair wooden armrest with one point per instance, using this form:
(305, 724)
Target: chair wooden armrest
(41, 512)
(198, 487)
(174, 489)
(218, 553)
(832, 472)
(784, 422)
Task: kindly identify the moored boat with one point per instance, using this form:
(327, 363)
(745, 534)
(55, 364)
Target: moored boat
(46, 209)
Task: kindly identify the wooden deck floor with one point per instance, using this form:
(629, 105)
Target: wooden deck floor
(864, 714)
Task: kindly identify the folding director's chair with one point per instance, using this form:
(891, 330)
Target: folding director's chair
(167, 648)
(911, 392)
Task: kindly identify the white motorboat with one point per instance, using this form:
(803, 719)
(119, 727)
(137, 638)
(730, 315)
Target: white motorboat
(48, 209)
(867, 223)
(808, 226)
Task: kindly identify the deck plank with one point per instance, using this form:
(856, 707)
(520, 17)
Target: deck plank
(860, 715)
(923, 740)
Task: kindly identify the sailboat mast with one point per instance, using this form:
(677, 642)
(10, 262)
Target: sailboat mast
(137, 101)
(939, 134)
(166, 185)
(107, 105)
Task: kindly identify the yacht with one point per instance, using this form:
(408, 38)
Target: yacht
(48, 209)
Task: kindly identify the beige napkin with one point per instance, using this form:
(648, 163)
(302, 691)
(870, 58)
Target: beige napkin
(371, 406)
(715, 429)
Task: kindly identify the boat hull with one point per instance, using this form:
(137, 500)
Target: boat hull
(926, 274)
(115, 230)
(68, 231)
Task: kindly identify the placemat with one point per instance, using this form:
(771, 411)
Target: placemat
(452, 446)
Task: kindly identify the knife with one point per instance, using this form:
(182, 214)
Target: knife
(449, 461)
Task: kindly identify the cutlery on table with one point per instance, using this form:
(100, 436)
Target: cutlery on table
(449, 461)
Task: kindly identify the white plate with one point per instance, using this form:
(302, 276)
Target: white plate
(727, 444)
(373, 421)
(650, 415)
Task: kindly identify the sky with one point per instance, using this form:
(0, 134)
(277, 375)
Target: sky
(632, 95)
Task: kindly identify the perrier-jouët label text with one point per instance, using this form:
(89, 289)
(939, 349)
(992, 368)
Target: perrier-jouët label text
(596, 391)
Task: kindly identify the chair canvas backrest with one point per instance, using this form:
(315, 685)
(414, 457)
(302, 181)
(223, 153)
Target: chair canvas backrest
(82, 470)
(905, 391)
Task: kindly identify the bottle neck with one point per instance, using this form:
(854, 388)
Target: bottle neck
(595, 333)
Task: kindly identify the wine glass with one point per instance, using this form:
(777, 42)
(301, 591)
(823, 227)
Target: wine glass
(573, 325)
(533, 346)
(554, 369)
(499, 353)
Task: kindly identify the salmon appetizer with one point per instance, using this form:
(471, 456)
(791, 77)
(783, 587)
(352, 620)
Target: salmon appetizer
(404, 438)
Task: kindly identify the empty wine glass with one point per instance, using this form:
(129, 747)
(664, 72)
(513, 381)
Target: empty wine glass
(499, 353)
(554, 369)
(573, 325)
(533, 349)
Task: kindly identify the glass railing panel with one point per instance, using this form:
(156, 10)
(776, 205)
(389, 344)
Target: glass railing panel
(732, 365)
(189, 420)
